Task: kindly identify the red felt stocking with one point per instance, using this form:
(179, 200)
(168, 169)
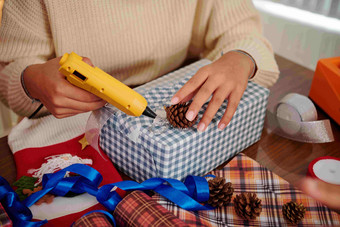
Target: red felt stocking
(42, 145)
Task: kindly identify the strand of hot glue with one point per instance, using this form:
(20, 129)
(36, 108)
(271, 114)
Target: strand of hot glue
(187, 195)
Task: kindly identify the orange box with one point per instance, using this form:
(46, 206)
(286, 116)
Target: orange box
(325, 89)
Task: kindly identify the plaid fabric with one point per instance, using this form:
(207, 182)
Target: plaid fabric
(92, 220)
(138, 209)
(143, 150)
(247, 175)
(5, 221)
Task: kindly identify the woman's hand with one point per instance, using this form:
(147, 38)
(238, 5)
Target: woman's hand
(328, 194)
(60, 97)
(225, 78)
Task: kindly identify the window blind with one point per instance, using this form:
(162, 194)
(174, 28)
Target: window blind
(330, 8)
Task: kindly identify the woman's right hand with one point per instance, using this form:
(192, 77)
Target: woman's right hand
(60, 97)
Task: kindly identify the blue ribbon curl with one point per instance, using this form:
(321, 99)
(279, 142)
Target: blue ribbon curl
(187, 195)
(16, 210)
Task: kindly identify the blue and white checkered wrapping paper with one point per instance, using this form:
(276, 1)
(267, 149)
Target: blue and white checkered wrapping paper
(143, 150)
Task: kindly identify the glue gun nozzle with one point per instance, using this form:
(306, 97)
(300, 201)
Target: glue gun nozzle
(149, 113)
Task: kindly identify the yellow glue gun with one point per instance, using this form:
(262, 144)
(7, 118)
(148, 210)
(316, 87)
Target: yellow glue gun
(103, 85)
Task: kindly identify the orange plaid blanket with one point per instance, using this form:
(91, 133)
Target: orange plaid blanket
(247, 175)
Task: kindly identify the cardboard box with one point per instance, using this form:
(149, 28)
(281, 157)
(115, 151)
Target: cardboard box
(142, 149)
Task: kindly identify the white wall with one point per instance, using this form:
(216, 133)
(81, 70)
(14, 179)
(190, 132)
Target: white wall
(299, 35)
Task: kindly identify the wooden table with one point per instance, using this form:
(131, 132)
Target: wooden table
(287, 158)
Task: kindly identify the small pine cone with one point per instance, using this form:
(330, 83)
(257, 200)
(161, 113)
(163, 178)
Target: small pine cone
(176, 115)
(247, 205)
(220, 192)
(293, 212)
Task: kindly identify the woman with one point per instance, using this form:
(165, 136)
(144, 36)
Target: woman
(136, 42)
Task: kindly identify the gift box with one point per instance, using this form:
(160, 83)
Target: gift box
(143, 148)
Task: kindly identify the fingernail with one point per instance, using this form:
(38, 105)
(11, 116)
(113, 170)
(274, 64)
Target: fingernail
(201, 127)
(221, 126)
(174, 100)
(190, 115)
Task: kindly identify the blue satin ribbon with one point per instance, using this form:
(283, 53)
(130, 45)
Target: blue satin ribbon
(16, 210)
(187, 195)
(173, 190)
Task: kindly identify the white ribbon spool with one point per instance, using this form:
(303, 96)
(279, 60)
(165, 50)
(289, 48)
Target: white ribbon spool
(295, 108)
(326, 169)
(296, 118)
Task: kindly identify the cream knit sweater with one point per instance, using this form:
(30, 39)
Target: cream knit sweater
(135, 41)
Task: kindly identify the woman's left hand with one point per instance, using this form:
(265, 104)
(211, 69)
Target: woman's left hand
(328, 194)
(226, 78)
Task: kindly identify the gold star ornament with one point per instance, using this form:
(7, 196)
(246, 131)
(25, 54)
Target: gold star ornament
(83, 143)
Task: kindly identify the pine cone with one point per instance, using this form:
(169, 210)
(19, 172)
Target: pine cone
(293, 212)
(220, 192)
(176, 115)
(247, 205)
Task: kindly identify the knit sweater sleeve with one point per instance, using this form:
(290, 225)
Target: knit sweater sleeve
(24, 40)
(234, 25)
